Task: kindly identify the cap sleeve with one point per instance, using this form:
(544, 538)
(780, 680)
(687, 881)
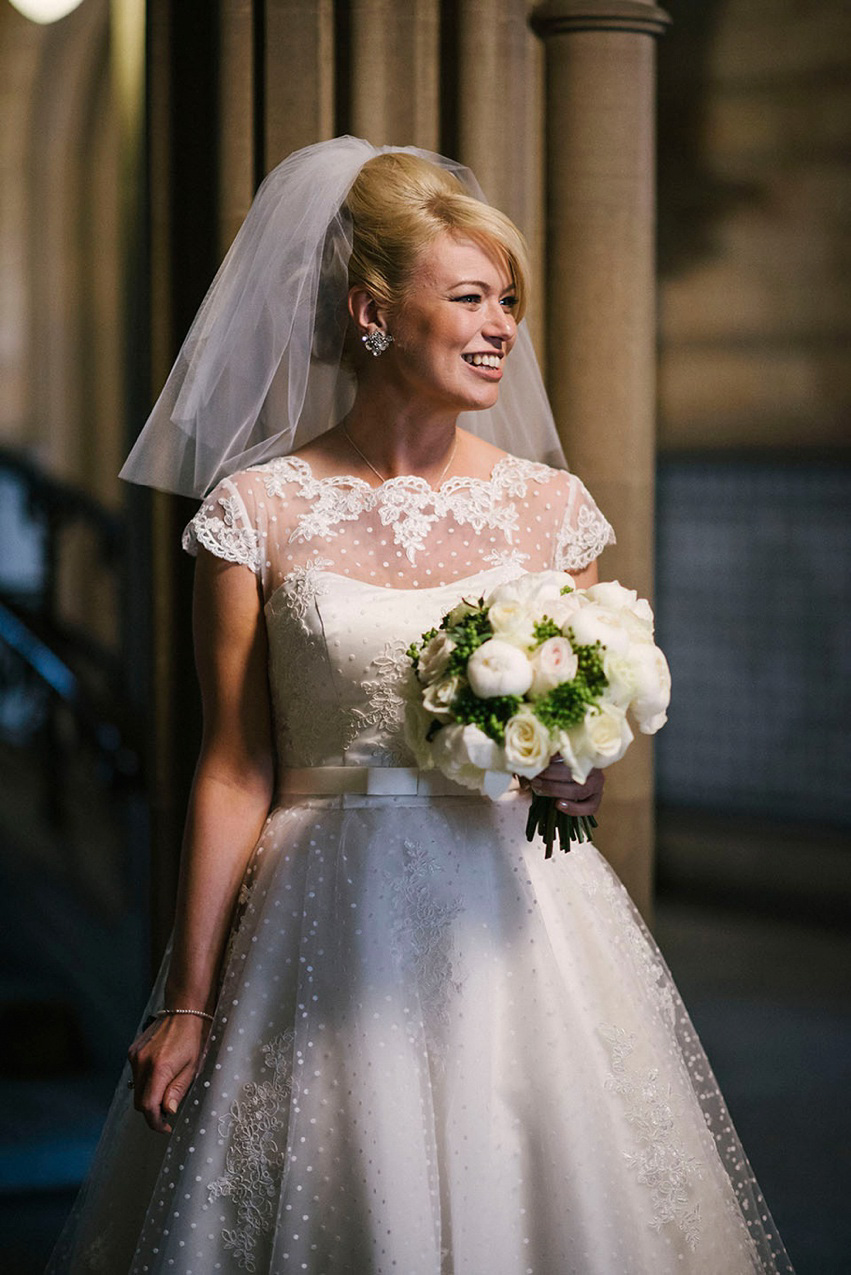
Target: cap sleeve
(227, 525)
(583, 533)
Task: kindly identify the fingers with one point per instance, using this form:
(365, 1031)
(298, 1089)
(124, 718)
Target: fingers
(164, 1066)
(571, 797)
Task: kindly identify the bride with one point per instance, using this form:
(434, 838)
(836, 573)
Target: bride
(389, 1037)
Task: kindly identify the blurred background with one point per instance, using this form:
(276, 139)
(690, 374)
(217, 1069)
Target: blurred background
(132, 137)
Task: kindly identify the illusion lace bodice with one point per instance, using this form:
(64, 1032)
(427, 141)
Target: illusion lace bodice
(351, 574)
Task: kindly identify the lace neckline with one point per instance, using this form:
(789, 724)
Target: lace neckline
(301, 470)
(406, 504)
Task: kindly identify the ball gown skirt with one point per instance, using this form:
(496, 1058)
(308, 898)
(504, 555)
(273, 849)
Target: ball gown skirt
(435, 1053)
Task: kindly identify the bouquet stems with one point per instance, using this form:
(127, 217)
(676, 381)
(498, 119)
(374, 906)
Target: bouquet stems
(553, 825)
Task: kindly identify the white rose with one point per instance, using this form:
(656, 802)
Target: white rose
(439, 697)
(435, 657)
(553, 662)
(471, 758)
(601, 739)
(498, 668)
(528, 746)
(653, 688)
(512, 621)
(595, 623)
(608, 733)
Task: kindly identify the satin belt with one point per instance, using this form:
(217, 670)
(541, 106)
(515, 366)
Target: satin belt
(369, 781)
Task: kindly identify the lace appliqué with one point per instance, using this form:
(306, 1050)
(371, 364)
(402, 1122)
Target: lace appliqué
(578, 545)
(506, 558)
(659, 1163)
(422, 940)
(255, 1158)
(406, 504)
(385, 711)
(223, 534)
(303, 585)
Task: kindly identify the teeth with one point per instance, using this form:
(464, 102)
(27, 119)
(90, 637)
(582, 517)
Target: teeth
(482, 360)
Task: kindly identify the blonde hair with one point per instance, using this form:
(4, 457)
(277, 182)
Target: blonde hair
(399, 204)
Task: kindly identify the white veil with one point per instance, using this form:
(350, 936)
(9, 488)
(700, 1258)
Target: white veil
(260, 372)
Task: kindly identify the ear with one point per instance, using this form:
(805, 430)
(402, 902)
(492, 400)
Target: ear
(365, 310)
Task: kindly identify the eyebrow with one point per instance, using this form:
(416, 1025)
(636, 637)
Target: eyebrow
(479, 283)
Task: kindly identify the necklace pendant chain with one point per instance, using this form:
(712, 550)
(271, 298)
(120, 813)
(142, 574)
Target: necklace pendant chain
(369, 463)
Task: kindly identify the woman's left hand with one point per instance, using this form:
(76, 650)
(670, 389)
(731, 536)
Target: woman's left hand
(571, 797)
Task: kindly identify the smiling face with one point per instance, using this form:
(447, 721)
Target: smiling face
(454, 327)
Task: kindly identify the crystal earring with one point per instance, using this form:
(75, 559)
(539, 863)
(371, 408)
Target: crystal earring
(377, 342)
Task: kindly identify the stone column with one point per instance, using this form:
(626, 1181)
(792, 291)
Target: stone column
(600, 96)
(297, 89)
(392, 65)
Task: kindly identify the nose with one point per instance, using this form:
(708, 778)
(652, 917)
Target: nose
(500, 324)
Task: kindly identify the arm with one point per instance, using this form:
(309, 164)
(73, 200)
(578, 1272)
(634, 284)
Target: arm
(231, 794)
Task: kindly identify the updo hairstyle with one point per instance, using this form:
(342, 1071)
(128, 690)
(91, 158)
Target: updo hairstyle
(399, 204)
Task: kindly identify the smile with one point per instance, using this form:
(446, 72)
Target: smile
(482, 360)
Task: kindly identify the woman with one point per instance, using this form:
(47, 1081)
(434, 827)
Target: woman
(391, 1037)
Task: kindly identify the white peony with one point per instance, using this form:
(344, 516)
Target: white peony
(609, 593)
(596, 623)
(653, 688)
(498, 668)
(435, 656)
(469, 757)
(528, 746)
(439, 696)
(622, 678)
(636, 613)
(552, 663)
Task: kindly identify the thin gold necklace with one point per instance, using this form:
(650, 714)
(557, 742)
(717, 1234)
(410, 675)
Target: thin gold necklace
(368, 462)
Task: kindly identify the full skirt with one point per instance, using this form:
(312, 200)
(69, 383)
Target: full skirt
(435, 1053)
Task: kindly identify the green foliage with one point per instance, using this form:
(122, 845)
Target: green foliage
(468, 635)
(544, 629)
(565, 705)
(490, 715)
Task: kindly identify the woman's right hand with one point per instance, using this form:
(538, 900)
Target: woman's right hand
(165, 1059)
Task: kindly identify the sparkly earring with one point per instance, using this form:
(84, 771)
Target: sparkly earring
(377, 342)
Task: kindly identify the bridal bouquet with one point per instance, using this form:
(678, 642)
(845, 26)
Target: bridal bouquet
(536, 670)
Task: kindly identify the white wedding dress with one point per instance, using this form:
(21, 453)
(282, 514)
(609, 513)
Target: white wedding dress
(435, 1053)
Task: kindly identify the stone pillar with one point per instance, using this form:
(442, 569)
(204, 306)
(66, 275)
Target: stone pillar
(601, 317)
(297, 67)
(392, 63)
(237, 178)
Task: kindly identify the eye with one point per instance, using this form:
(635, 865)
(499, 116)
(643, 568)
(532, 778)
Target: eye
(509, 302)
(472, 298)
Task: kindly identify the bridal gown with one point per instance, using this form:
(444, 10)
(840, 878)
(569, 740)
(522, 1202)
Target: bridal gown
(434, 1052)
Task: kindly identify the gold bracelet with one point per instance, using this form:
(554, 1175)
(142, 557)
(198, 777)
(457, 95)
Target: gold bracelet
(198, 1013)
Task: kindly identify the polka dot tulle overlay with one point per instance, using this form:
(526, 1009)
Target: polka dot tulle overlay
(434, 1052)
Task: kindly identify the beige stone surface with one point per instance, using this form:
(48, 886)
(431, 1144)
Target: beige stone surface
(755, 317)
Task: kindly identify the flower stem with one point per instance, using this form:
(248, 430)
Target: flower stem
(552, 824)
